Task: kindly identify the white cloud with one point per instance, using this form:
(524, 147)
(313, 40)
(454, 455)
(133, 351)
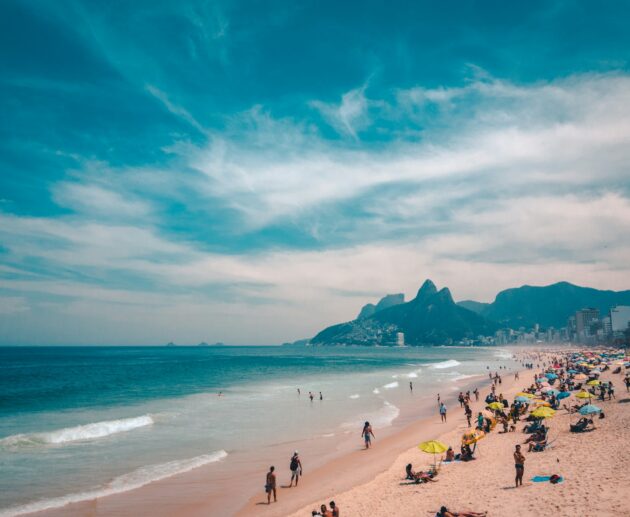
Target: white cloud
(528, 184)
(350, 115)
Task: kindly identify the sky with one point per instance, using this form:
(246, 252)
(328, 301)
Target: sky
(251, 172)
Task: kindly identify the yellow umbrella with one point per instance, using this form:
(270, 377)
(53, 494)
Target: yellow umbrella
(433, 447)
(472, 436)
(541, 403)
(495, 405)
(523, 394)
(585, 395)
(543, 412)
(594, 382)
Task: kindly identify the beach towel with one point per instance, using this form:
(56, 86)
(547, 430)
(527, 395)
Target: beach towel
(540, 479)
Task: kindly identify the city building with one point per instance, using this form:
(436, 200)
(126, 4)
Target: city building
(619, 318)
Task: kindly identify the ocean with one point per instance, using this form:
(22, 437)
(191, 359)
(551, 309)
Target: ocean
(83, 422)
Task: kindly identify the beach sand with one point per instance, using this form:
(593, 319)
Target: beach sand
(594, 466)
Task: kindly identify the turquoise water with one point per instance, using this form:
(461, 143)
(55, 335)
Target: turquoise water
(76, 423)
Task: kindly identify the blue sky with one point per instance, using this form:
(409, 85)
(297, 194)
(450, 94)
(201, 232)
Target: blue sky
(250, 172)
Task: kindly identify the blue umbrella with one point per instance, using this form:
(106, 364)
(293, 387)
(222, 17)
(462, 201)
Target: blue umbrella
(563, 395)
(551, 376)
(539, 380)
(572, 371)
(589, 410)
(522, 399)
(553, 392)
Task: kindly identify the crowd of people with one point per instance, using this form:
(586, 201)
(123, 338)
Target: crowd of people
(563, 375)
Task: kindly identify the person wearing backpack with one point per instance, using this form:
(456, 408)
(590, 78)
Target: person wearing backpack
(296, 468)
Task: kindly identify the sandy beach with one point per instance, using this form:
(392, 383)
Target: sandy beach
(593, 465)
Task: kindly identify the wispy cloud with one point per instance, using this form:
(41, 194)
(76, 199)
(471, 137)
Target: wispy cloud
(508, 184)
(350, 115)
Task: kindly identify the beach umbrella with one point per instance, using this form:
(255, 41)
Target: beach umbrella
(580, 377)
(594, 382)
(526, 395)
(543, 412)
(585, 395)
(495, 405)
(433, 447)
(539, 380)
(520, 398)
(572, 371)
(563, 395)
(553, 392)
(472, 436)
(551, 376)
(589, 410)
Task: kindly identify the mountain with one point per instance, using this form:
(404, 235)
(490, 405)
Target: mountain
(385, 303)
(474, 306)
(432, 317)
(549, 306)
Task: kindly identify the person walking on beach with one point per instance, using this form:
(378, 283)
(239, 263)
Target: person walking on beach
(334, 509)
(296, 468)
(476, 392)
(443, 412)
(438, 399)
(367, 434)
(519, 464)
(270, 485)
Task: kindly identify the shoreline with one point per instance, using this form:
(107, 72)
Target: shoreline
(593, 465)
(360, 466)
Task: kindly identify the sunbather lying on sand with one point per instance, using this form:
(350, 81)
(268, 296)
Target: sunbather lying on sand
(420, 476)
(444, 512)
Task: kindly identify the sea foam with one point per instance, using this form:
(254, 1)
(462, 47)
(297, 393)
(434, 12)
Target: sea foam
(451, 363)
(131, 481)
(391, 385)
(382, 417)
(76, 434)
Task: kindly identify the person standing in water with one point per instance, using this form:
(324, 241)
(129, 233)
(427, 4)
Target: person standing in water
(321, 397)
(443, 412)
(310, 395)
(519, 464)
(296, 468)
(270, 485)
(410, 386)
(367, 434)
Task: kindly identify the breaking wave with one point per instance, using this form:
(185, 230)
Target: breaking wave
(451, 363)
(76, 434)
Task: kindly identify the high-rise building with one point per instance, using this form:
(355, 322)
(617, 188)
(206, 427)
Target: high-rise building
(620, 318)
(585, 319)
(400, 339)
